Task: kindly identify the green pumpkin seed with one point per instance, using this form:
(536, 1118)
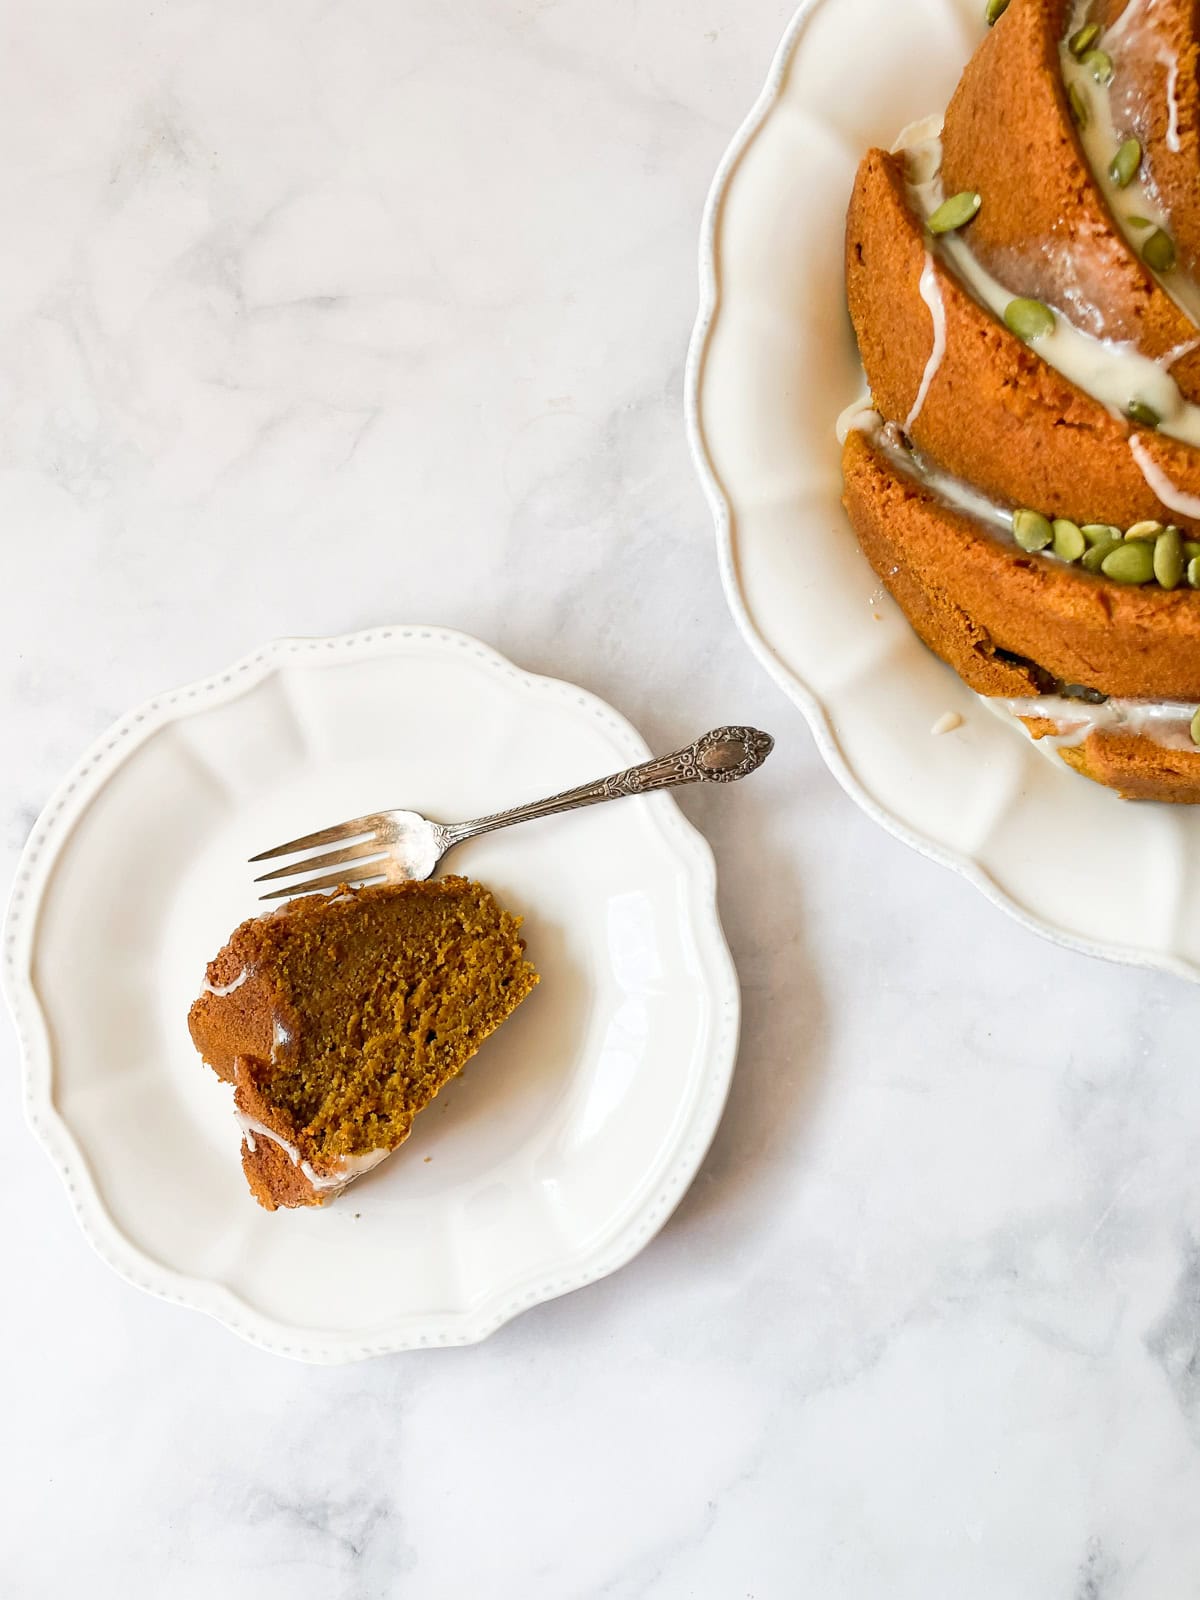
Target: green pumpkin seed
(1168, 560)
(1138, 223)
(1129, 563)
(1139, 411)
(1144, 530)
(1032, 530)
(955, 212)
(1080, 43)
(1158, 252)
(1196, 728)
(1123, 167)
(1069, 543)
(1100, 65)
(995, 10)
(1099, 554)
(1193, 573)
(1101, 533)
(1029, 319)
(1080, 108)
(1191, 549)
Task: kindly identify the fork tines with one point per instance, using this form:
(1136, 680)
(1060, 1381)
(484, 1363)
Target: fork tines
(363, 839)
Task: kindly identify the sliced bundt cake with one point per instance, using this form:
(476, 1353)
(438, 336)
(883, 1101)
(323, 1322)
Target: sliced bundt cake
(1026, 477)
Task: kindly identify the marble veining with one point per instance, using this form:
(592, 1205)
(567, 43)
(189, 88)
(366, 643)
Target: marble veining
(329, 313)
(1175, 1342)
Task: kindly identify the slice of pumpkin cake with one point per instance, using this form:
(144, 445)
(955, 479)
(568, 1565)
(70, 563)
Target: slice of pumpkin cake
(337, 1019)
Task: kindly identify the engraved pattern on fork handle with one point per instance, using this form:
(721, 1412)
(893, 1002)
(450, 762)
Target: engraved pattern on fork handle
(723, 756)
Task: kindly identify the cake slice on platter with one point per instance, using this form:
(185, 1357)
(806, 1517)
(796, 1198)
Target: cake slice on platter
(337, 1019)
(1057, 88)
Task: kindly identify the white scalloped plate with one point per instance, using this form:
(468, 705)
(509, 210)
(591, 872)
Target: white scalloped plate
(564, 1146)
(771, 365)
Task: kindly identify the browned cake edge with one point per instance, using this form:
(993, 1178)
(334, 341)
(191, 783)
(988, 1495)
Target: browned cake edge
(968, 597)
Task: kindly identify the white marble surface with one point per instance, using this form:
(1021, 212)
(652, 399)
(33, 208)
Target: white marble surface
(321, 314)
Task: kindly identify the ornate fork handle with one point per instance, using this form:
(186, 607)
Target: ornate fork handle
(723, 756)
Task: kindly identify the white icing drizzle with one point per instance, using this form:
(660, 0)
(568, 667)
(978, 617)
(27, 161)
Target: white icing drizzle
(961, 495)
(918, 136)
(932, 295)
(1119, 28)
(1166, 722)
(1168, 59)
(953, 491)
(227, 988)
(252, 1127)
(860, 416)
(1111, 372)
(348, 1167)
(355, 1166)
(280, 1039)
(1177, 500)
(921, 146)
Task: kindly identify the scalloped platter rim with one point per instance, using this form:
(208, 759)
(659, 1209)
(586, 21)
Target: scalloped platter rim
(982, 800)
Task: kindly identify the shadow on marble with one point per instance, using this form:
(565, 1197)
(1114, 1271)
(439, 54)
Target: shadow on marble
(777, 1089)
(780, 1073)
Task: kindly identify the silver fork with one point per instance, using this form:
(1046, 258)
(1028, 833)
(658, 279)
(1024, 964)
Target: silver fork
(396, 846)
